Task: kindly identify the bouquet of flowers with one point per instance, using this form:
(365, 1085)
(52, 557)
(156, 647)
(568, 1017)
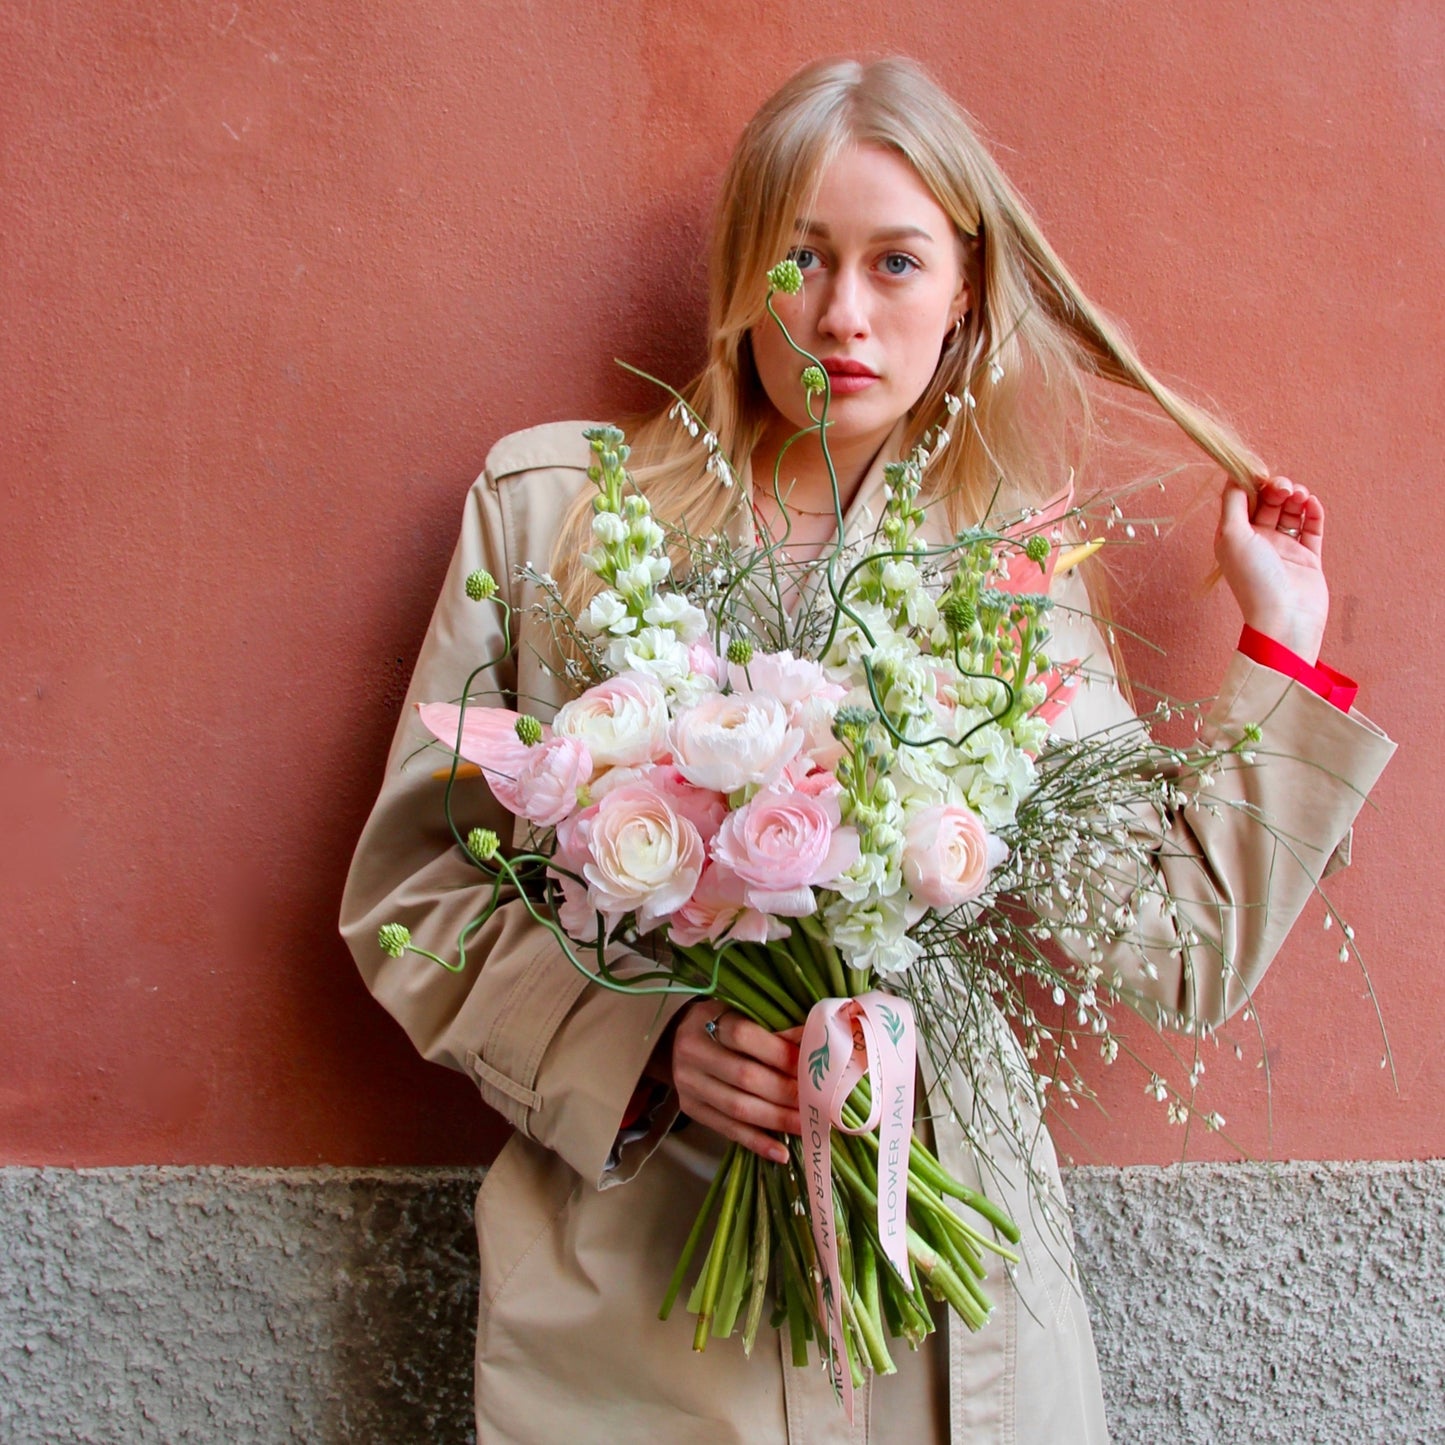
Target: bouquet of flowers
(829, 795)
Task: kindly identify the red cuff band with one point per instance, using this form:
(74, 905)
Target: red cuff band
(643, 1098)
(1333, 686)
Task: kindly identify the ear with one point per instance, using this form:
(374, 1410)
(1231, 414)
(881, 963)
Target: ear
(962, 300)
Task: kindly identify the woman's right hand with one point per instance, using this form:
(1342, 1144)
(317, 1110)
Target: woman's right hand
(741, 1080)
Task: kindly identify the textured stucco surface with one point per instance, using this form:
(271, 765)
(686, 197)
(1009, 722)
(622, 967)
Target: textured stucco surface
(1232, 1303)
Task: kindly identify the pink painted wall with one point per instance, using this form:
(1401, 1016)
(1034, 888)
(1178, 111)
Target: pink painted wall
(274, 277)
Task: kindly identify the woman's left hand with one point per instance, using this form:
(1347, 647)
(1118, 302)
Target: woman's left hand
(1270, 554)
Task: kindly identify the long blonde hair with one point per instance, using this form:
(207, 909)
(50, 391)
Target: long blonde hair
(1027, 349)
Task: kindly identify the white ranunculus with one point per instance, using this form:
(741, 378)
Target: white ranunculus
(622, 721)
(726, 742)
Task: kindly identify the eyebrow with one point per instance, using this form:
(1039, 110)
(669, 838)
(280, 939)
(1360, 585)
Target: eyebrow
(888, 233)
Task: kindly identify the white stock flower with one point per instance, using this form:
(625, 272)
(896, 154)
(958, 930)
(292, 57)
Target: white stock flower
(647, 534)
(875, 935)
(675, 612)
(900, 575)
(655, 651)
(609, 528)
(608, 613)
(871, 876)
(636, 579)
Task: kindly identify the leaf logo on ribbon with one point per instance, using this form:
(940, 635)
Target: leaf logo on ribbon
(893, 1023)
(818, 1064)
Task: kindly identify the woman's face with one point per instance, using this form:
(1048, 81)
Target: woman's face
(883, 284)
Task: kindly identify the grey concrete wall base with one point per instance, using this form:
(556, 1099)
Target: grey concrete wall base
(1231, 1303)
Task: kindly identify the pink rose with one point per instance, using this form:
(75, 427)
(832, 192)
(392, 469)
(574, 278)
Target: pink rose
(948, 855)
(549, 779)
(718, 908)
(782, 845)
(622, 721)
(489, 739)
(723, 743)
(645, 858)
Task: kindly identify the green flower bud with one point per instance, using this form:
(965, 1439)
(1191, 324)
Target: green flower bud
(957, 613)
(482, 844)
(1036, 549)
(813, 379)
(1253, 732)
(393, 939)
(603, 438)
(852, 723)
(481, 585)
(787, 277)
(529, 730)
(740, 652)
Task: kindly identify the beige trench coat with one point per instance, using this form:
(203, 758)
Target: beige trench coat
(579, 1230)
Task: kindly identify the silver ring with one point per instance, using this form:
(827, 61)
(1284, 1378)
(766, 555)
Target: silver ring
(710, 1028)
(1290, 531)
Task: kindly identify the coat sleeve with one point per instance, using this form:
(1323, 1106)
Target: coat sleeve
(557, 1056)
(1227, 867)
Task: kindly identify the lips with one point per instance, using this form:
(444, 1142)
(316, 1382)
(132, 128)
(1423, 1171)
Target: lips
(846, 377)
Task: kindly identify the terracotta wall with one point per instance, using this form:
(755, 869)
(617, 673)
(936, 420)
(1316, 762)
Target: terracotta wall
(275, 275)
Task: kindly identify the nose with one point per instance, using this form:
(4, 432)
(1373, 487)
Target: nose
(845, 312)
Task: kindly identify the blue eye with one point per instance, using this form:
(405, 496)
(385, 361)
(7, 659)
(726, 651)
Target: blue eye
(804, 256)
(899, 263)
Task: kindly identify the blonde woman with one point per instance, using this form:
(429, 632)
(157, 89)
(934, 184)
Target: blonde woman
(923, 275)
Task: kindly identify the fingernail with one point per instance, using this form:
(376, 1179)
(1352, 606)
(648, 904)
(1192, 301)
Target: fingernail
(778, 1155)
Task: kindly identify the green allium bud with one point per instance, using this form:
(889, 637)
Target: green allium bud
(787, 277)
(482, 844)
(393, 939)
(740, 652)
(529, 730)
(957, 613)
(1036, 549)
(481, 585)
(813, 379)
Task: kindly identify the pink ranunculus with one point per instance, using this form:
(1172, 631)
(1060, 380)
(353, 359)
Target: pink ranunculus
(623, 721)
(610, 779)
(644, 857)
(718, 909)
(549, 780)
(704, 809)
(781, 675)
(489, 739)
(815, 716)
(702, 661)
(802, 686)
(576, 913)
(948, 855)
(782, 845)
(726, 742)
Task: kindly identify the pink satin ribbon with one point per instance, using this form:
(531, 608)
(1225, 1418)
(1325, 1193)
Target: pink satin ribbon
(844, 1039)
